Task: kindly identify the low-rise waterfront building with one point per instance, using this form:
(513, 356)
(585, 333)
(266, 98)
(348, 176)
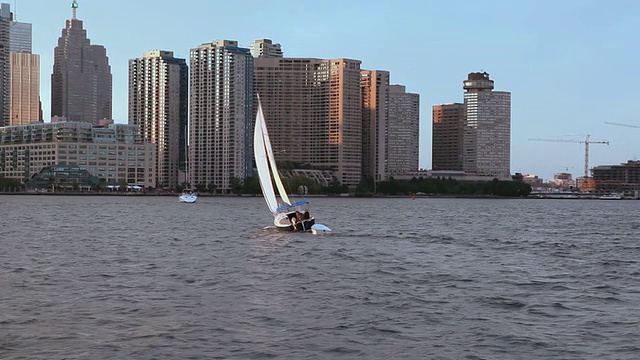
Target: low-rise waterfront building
(623, 179)
(113, 153)
(323, 177)
(67, 177)
(446, 174)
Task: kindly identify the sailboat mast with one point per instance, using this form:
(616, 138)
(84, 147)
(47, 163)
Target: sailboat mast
(187, 175)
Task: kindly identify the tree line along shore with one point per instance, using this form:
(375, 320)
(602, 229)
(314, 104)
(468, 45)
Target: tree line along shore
(304, 186)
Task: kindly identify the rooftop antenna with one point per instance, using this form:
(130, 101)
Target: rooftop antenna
(74, 7)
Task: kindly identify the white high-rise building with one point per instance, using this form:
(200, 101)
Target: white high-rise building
(403, 131)
(158, 103)
(487, 128)
(263, 48)
(220, 115)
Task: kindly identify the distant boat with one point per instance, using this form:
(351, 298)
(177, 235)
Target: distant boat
(555, 195)
(287, 216)
(188, 196)
(612, 196)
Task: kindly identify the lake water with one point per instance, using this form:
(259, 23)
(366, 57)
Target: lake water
(151, 278)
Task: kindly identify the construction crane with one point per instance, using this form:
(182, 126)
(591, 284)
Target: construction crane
(620, 124)
(586, 143)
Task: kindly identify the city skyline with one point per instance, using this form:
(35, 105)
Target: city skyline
(542, 58)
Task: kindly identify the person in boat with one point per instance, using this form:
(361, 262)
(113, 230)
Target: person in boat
(299, 216)
(294, 222)
(306, 215)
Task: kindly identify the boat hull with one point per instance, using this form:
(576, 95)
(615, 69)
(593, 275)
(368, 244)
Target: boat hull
(304, 225)
(187, 198)
(610, 197)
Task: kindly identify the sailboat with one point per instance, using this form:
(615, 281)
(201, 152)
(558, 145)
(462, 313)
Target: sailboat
(287, 215)
(188, 195)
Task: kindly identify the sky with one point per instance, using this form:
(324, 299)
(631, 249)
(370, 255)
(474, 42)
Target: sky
(570, 65)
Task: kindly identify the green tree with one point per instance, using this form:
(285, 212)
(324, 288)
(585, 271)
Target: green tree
(251, 185)
(201, 188)
(335, 187)
(365, 185)
(123, 184)
(294, 182)
(236, 185)
(8, 183)
(449, 186)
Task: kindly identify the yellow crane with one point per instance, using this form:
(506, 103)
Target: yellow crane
(586, 143)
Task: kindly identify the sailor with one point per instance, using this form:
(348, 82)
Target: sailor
(294, 222)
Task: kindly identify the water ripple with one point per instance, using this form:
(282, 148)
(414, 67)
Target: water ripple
(149, 278)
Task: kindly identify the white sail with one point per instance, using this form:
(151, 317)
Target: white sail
(266, 167)
(262, 161)
(272, 161)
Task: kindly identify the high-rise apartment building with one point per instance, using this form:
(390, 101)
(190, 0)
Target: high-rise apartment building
(5, 30)
(262, 48)
(220, 114)
(403, 131)
(313, 109)
(81, 82)
(375, 117)
(24, 76)
(158, 106)
(447, 137)
(487, 130)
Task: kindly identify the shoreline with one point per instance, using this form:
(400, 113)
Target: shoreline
(349, 196)
(345, 196)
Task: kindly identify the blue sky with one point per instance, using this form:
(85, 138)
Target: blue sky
(570, 65)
